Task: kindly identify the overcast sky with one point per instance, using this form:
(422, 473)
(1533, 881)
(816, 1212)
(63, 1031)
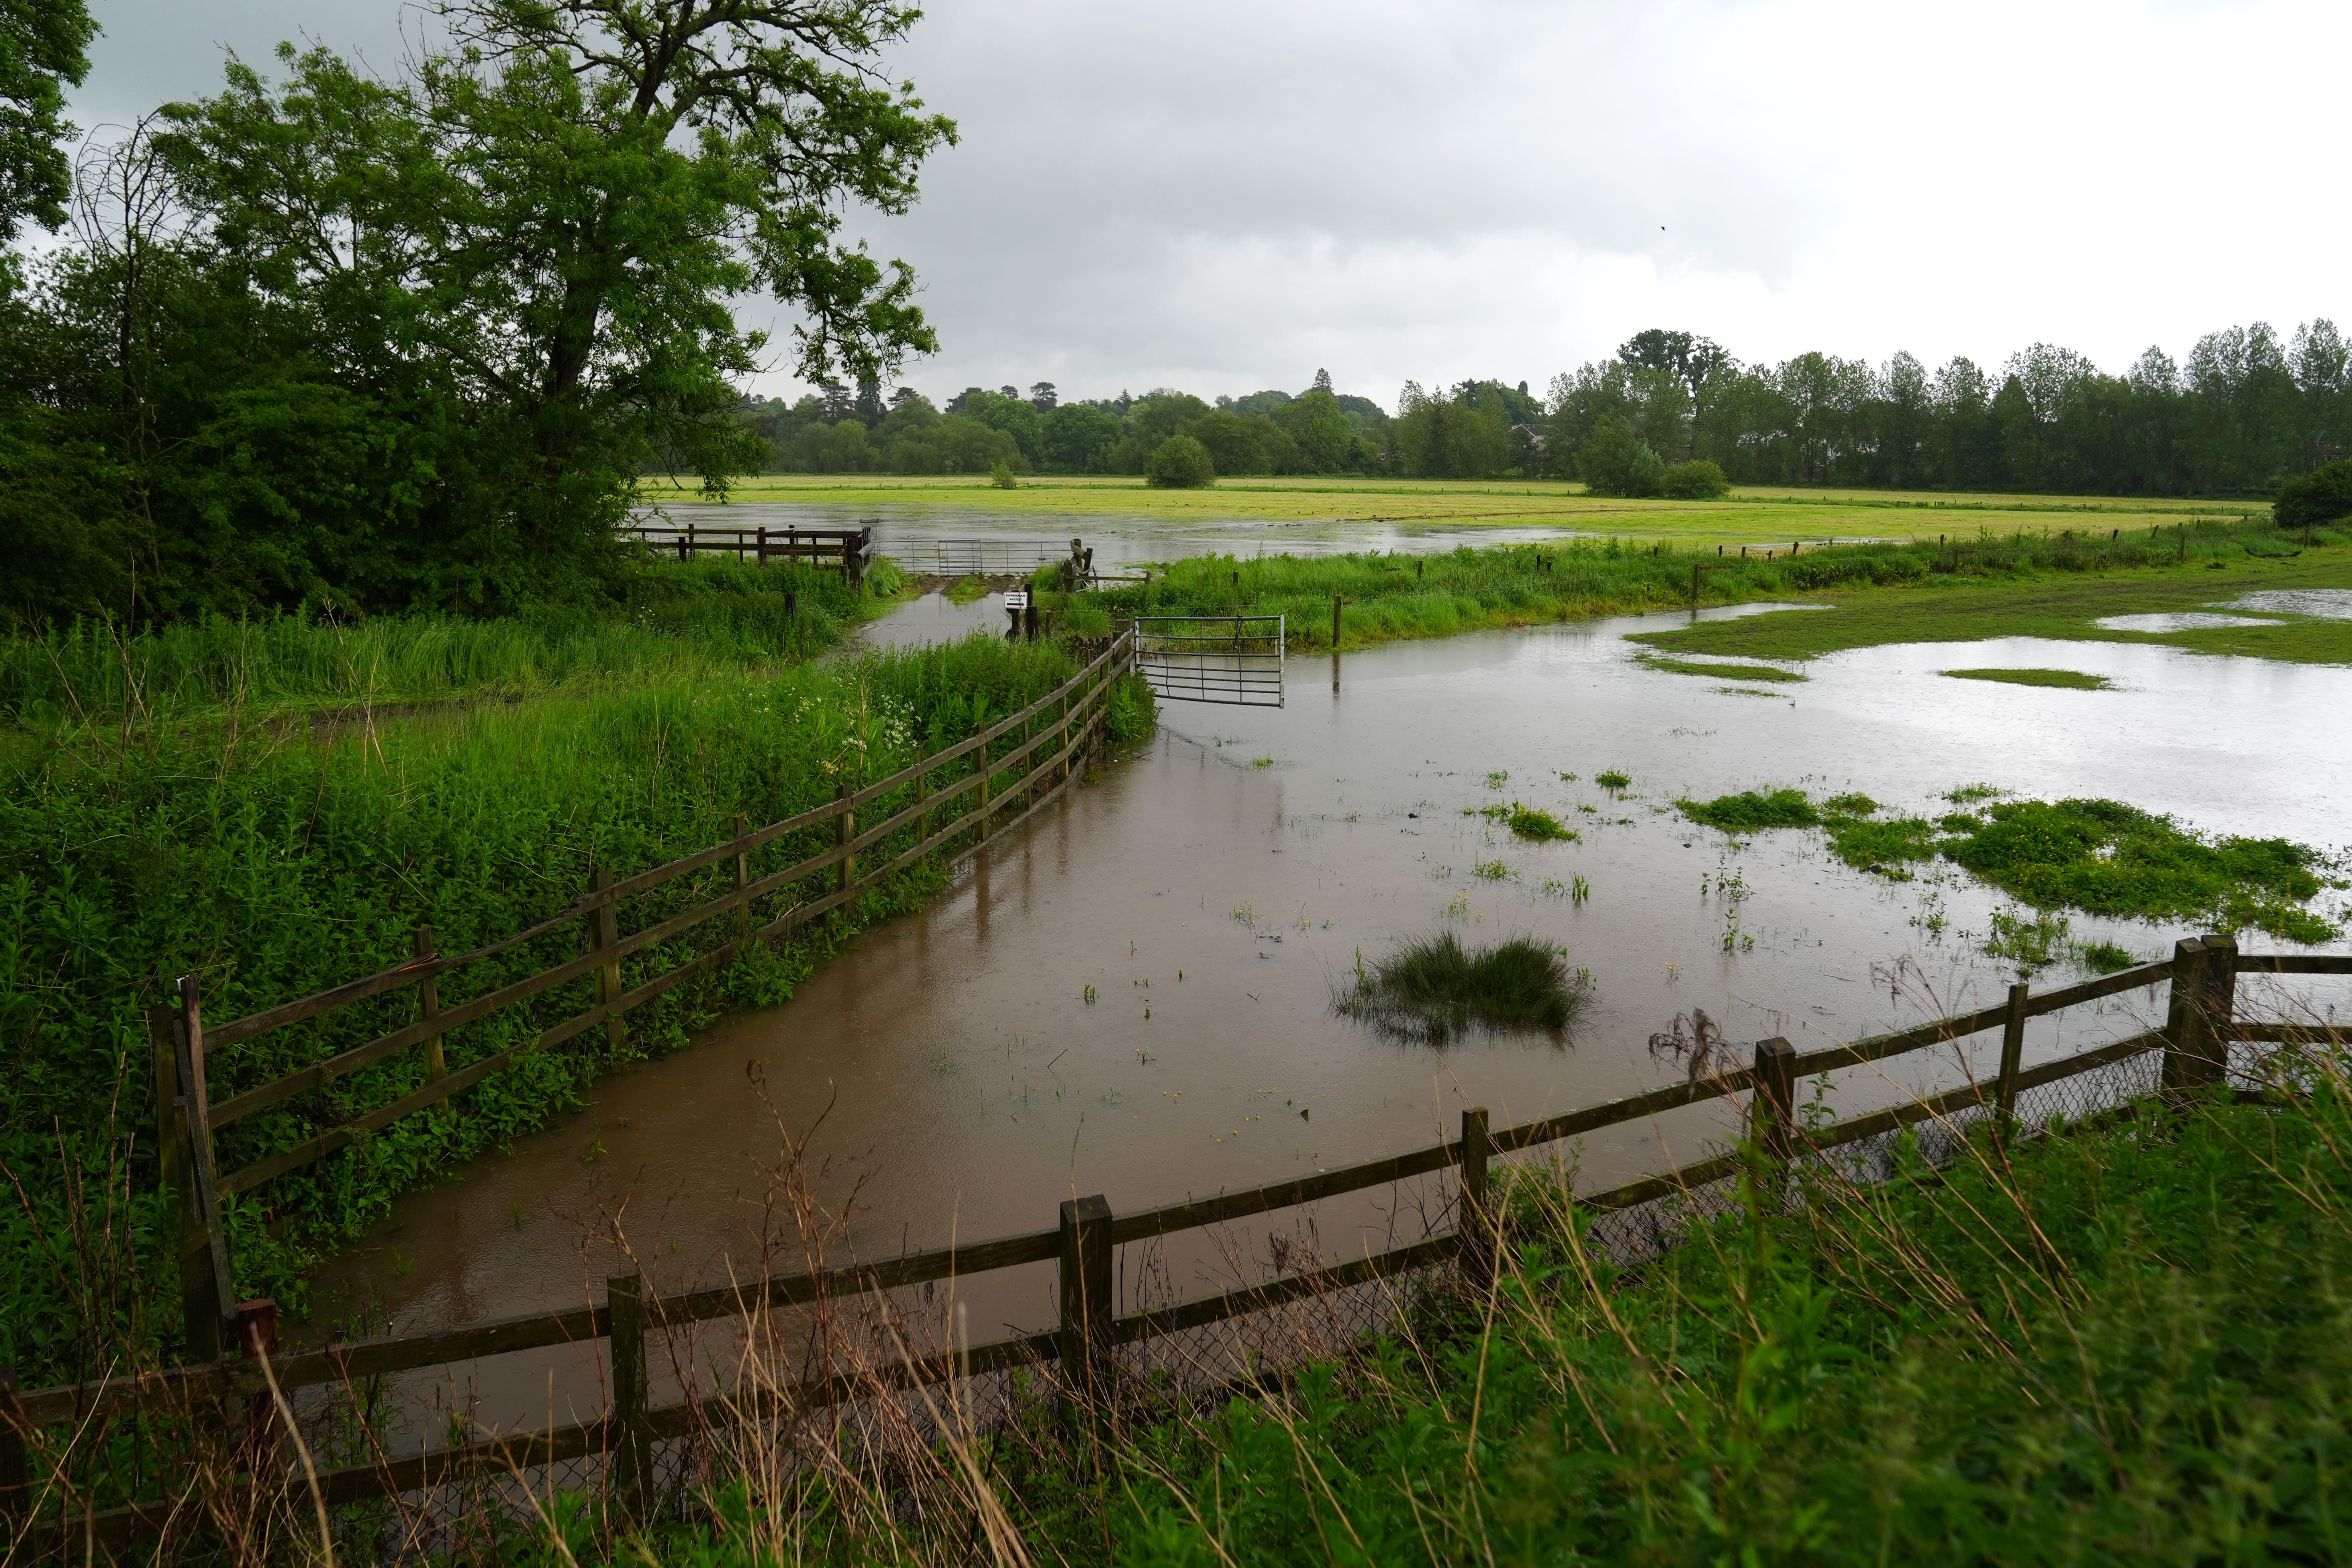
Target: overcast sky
(1226, 195)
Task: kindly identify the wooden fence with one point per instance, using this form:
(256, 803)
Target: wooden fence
(847, 548)
(1041, 747)
(2199, 1028)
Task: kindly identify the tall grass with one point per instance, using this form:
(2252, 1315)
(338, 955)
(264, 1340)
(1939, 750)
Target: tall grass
(674, 622)
(1395, 596)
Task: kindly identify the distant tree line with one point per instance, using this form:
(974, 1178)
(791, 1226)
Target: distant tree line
(834, 431)
(2247, 410)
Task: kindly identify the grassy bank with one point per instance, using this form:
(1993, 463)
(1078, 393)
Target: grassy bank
(140, 841)
(1762, 516)
(1388, 597)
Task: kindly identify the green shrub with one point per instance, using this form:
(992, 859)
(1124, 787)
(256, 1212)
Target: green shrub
(1000, 476)
(1180, 463)
(2319, 497)
(1695, 480)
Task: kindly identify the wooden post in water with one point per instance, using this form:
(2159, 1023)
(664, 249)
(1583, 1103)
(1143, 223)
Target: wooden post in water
(980, 763)
(1335, 602)
(2013, 1052)
(1478, 1225)
(428, 1006)
(604, 935)
(1086, 1299)
(630, 1437)
(742, 881)
(847, 828)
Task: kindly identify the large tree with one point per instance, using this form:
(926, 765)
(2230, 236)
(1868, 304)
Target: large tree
(44, 48)
(542, 225)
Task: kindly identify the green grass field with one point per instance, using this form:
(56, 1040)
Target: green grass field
(1761, 517)
(2061, 606)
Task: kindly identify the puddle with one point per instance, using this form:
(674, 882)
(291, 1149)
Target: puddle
(2324, 603)
(2177, 621)
(960, 1084)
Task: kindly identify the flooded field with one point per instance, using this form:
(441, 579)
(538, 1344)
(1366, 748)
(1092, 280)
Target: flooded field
(1135, 998)
(908, 533)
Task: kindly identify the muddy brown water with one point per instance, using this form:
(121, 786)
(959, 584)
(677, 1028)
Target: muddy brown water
(952, 1081)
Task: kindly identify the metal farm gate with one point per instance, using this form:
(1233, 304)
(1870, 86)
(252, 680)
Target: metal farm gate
(1212, 658)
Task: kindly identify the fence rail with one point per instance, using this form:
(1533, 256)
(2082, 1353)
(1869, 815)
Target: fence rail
(847, 548)
(2201, 1027)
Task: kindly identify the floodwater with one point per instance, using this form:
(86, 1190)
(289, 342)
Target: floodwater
(907, 533)
(953, 1080)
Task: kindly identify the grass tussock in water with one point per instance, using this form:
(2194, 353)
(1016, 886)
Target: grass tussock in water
(1532, 822)
(1435, 989)
(2101, 856)
(2068, 680)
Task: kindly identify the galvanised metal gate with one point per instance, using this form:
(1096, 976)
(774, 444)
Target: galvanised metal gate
(1212, 659)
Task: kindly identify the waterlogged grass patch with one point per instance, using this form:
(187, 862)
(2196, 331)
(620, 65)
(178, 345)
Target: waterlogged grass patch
(1612, 779)
(1527, 822)
(2070, 680)
(2105, 858)
(1432, 989)
(2101, 856)
(1719, 672)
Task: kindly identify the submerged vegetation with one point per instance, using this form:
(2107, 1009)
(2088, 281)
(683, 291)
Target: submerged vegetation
(2101, 856)
(1433, 989)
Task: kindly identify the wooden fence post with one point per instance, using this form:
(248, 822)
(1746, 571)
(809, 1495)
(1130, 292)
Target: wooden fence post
(631, 1434)
(604, 935)
(2195, 1052)
(1335, 602)
(1085, 1292)
(848, 826)
(1771, 1108)
(1479, 1226)
(1062, 737)
(742, 881)
(923, 798)
(2013, 1052)
(980, 762)
(15, 1473)
(764, 546)
(207, 1297)
(428, 1005)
